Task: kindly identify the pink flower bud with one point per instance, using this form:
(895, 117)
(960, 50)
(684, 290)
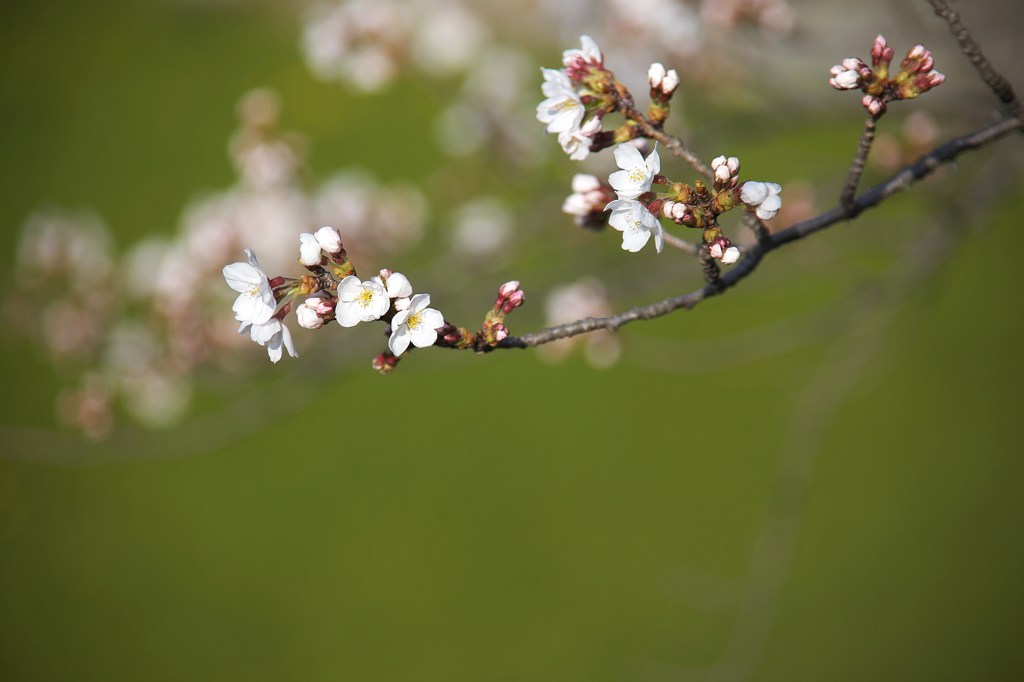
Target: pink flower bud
(500, 332)
(513, 301)
(874, 105)
(508, 288)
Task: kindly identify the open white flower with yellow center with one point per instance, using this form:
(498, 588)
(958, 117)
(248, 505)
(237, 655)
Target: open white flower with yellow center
(255, 303)
(360, 301)
(636, 224)
(562, 111)
(417, 324)
(637, 173)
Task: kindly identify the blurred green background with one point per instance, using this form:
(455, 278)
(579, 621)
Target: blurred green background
(814, 477)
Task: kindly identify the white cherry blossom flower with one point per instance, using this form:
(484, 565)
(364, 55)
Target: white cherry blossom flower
(636, 224)
(255, 303)
(562, 111)
(272, 334)
(360, 301)
(637, 173)
(417, 324)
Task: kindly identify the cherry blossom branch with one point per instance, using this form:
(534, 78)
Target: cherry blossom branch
(902, 180)
(655, 132)
(858, 163)
(998, 84)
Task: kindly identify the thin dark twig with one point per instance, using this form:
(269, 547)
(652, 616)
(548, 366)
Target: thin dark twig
(998, 84)
(923, 167)
(680, 243)
(857, 165)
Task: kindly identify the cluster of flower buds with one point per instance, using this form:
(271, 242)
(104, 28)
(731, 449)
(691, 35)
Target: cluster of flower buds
(586, 203)
(510, 297)
(637, 210)
(915, 76)
(663, 85)
(582, 88)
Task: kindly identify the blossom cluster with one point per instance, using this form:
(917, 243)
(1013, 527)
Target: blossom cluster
(332, 292)
(916, 76)
(582, 88)
(577, 98)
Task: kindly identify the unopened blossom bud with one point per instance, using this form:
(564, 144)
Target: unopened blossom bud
(396, 284)
(844, 79)
(309, 250)
(655, 75)
(763, 197)
(307, 318)
(508, 288)
(722, 173)
(717, 248)
(881, 55)
(683, 214)
(329, 239)
(666, 208)
(874, 105)
(513, 301)
(731, 255)
(734, 165)
(753, 193)
(384, 363)
(670, 82)
(402, 303)
(500, 332)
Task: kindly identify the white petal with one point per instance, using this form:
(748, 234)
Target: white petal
(627, 156)
(654, 161)
(241, 276)
(432, 319)
(399, 286)
(289, 346)
(349, 288)
(772, 202)
(399, 340)
(590, 49)
(419, 302)
(348, 314)
(634, 240)
(400, 317)
(753, 192)
(423, 337)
